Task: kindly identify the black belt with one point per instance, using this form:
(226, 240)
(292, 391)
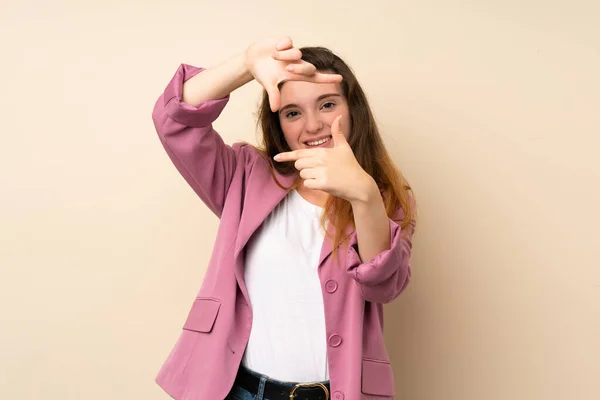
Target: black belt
(276, 391)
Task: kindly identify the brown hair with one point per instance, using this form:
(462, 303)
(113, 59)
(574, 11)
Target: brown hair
(364, 139)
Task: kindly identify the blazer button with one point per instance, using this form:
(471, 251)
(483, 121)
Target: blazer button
(331, 286)
(335, 340)
(337, 395)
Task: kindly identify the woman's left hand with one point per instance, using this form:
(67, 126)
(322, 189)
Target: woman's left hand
(334, 170)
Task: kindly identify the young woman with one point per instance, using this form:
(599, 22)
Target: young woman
(314, 236)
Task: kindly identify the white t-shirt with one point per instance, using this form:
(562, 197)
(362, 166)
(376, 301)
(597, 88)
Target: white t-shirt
(288, 339)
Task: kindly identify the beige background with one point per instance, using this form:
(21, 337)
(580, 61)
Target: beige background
(491, 108)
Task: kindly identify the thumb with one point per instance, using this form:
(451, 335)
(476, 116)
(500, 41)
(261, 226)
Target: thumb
(273, 93)
(336, 132)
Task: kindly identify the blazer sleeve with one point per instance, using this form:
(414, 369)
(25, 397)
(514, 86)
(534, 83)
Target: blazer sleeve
(196, 149)
(386, 275)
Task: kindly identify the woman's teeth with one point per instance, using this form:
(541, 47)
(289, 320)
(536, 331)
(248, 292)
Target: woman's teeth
(318, 142)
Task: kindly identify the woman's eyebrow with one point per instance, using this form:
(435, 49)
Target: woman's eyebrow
(321, 97)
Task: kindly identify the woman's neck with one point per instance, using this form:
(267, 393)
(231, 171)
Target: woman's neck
(313, 196)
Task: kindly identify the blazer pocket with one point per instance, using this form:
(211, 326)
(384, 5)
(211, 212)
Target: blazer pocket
(202, 316)
(377, 377)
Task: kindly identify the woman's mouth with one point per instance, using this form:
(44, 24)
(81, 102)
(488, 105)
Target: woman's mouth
(318, 142)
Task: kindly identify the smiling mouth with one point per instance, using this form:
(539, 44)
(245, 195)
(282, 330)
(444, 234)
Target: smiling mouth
(319, 142)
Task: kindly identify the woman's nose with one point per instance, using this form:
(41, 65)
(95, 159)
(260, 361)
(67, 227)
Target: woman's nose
(313, 123)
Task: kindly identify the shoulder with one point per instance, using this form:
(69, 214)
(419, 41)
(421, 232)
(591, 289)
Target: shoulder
(250, 154)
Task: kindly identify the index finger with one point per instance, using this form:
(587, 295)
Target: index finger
(292, 54)
(321, 77)
(293, 155)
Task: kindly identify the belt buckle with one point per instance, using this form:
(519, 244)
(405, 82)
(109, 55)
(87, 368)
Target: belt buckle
(308, 385)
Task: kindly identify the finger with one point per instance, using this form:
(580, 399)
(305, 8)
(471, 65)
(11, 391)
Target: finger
(336, 132)
(328, 78)
(309, 173)
(302, 68)
(320, 77)
(273, 98)
(284, 43)
(293, 155)
(307, 162)
(312, 184)
(292, 54)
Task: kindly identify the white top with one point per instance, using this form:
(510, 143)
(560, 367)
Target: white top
(288, 339)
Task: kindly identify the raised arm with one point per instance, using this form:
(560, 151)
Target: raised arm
(216, 83)
(186, 132)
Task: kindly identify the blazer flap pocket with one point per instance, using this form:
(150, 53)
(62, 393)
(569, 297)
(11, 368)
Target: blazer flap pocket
(377, 377)
(202, 316)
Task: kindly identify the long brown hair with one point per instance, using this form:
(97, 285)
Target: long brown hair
(364, 139)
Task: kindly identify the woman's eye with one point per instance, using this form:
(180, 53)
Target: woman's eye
(328, 105)
(291, 114)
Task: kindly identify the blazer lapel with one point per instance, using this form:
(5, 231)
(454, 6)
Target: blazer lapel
(259, 201)
(327, 247)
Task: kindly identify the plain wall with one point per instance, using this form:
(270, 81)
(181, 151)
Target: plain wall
(490, 108)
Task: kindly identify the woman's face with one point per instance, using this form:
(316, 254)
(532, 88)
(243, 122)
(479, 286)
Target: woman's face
(307, 112)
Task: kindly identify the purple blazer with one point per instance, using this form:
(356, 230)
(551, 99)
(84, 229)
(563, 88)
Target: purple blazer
(235, 183)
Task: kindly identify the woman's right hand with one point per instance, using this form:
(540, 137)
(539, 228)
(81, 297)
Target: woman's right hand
(273, 61)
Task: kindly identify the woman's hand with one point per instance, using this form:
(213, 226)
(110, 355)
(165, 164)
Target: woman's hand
(334, 170)
(273, 61)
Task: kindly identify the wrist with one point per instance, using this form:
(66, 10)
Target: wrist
(367, 193)
(244, 68)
